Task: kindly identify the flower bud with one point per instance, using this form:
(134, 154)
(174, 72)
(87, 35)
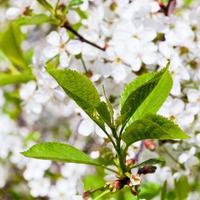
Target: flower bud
(115, 186)
(130, 162)
(135, 180)
(86, 195)
(134, 191)
(149, 144)
(147, 169)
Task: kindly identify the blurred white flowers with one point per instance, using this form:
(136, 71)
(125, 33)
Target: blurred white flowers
(60, 45)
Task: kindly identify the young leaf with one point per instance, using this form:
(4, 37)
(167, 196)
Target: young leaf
(80, 89)
(10, 42)
(163, 191)
(75, 3)
(23, 77)
(103, 111)
(46, 5)
(147, 97)
(135, 84)
(152, 127)
(109, 108)
(59, 152)
(151, 161)
(182, 188)
(188, 2)
(33, 20)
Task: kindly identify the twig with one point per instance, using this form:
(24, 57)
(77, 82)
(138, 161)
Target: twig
(139, 152)
(81, 38)
(102, 194)
(84, 65)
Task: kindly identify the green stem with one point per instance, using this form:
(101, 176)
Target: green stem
(121, 130)
(84, 65)
(119, 152)
(109, 169)
(102, 194)
(97, 189)
(56, 8)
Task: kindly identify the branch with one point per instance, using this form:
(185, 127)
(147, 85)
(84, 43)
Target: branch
(139, 151)
(81, 38)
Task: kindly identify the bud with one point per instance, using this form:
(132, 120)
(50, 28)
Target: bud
(134, 191)
(147, 169)
(130, 162)
(115, 186)
(89, 73)
(86, 195)
(106, 46)
(135, 180)
(161, 4)
(149, 144)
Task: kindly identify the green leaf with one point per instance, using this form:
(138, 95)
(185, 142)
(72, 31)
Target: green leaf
(104, 113)
(109, 108)
(152, 127)
(23, 77)
(163, 191)
(10, 44)
(149, 190)
(145, 95)
(72, 4)
(182, 188)
(33, 20)
(188, 2)
(135, 84)
(152, 161)
(75, 3)
(165, 1)
(59, 152)
(80, 89)
(46, 5)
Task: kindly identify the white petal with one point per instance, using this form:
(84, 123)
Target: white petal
(193, 108)
(176, 89)
(64, 59)
(183, 158)
(136, 64)
(27, 90)
(50, 52)
(74, 47)
(185, 119)
(176, 107)
(155, 7)
(64, 35)
(149, 58)
(193, 95)
(148, 35)
(86, 127)
(99, 132)
(89, 52)
(165, 49)
(119, 73)
(73, 17)
(36, 108)
(12, 13)
(53, 38)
